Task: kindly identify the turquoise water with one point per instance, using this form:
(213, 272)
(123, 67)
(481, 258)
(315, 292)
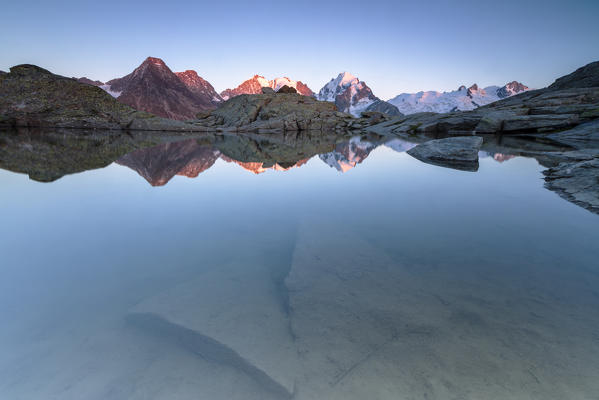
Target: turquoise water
(392, 280)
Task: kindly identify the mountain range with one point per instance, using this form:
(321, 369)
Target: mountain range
(463, 99)
(153, 87)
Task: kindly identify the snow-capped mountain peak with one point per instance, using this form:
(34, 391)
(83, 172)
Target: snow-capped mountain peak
(353, 96)
(510, 89)
(336, 86)
(458, 100)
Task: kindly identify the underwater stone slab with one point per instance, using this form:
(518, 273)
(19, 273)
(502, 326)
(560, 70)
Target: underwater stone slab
(232, 314)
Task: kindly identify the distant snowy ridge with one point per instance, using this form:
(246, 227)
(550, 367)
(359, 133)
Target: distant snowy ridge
(353, 96)
(463, 99)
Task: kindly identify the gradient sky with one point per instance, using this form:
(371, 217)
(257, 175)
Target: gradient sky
(394, 46)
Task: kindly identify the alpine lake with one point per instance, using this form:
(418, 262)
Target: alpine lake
(241, 267)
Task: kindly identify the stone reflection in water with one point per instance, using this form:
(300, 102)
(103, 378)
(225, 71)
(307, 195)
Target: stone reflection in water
(48, 155)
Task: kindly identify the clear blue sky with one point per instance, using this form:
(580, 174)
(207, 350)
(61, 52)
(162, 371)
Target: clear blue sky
(394, 46)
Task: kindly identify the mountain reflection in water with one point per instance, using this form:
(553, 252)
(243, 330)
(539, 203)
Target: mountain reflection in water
(395, 279)
(159, 164)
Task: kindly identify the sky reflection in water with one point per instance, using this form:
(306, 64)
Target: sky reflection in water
(394, 279)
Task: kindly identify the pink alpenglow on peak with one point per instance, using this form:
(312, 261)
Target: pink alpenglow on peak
(154, 88)
(255, 84)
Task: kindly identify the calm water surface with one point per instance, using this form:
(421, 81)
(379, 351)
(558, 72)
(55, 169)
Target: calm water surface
(360, 273)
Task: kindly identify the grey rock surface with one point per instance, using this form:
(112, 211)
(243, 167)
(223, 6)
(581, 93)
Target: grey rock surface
(455, 152)
(587, 76)
(276, 112)
(383, 107)
(583, 136)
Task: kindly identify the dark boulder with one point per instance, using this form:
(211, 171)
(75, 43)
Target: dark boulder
(456, 152)
(287, 89)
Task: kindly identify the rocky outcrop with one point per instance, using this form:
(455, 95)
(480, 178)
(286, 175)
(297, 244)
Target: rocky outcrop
(456, 152)
(276, 112)
(286, 89)
(32, 96)
(584, 77)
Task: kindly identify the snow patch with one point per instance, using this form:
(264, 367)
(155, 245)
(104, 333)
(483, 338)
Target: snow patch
(107, 89)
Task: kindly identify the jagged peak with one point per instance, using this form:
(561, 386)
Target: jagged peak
(189, 73)
(155, 61)
(346, 75)
(516, 85)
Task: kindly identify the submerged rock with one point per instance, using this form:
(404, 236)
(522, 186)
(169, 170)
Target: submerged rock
(455, 152)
